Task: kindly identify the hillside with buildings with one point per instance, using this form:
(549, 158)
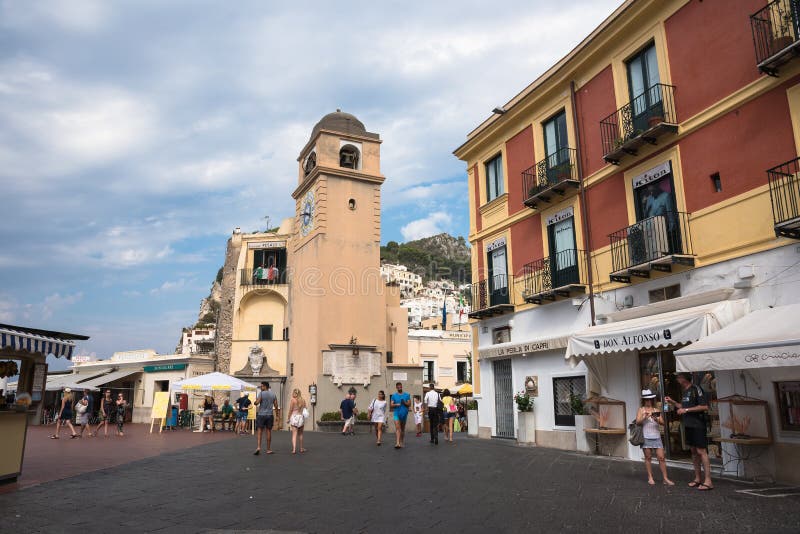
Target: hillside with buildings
(433, 258)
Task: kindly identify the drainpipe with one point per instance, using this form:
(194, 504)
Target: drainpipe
(584, 211)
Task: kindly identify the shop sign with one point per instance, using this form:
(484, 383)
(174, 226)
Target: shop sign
(562, 215)
(165, 367)
(266, 244)
(773, 358)
(522, 348)
(497, 243)
(638, 339)
(457, 335)
(652, 175)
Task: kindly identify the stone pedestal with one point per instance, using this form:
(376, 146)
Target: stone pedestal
(526, 433)
(472, 423)
(582, 443)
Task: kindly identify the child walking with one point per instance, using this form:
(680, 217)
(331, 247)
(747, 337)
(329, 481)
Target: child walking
(418, 414)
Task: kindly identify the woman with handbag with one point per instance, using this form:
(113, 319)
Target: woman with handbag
(650, 418)
(377, 415)
(297, 419)
(450, 412)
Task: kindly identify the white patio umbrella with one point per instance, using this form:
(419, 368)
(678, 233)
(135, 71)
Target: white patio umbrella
(212, 382)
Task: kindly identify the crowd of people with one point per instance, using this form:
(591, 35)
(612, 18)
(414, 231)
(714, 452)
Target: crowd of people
(81, 407)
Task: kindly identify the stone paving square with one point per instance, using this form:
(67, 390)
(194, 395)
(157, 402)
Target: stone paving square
(347, 484)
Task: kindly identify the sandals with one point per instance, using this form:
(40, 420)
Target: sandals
(693, 484)
(73, 436)
(704, 487)
(54, 437)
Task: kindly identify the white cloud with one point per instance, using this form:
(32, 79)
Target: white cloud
(74, 15)
(169, 286)
(433, 224)
(7, 307)
(56, 302)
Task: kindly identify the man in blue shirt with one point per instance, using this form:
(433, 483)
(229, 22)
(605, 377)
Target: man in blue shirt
(243, 406)
(347, 411)
(400, 403)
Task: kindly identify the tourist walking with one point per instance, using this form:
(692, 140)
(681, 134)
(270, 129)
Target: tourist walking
(347, 412)
(243, 406)
(267, 402)
(122, 405)
(377, 415)
(65, 415)
(106, 409)
(87, 395)
(450, 412)
(400, 402)
(297, 419)
(418, 414)
(82, 414)
(650, 418)
(432, 400)
(692, 410)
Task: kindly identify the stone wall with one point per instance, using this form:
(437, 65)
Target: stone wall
(228, 297)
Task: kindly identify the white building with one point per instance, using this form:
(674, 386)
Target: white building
(198, 341)
(410, 283)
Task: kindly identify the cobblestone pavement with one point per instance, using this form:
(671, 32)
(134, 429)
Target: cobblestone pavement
(347, 484)
(50, 459)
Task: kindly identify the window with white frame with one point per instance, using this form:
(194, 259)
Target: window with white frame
(428, 371)
(565, 389)
(494, 178)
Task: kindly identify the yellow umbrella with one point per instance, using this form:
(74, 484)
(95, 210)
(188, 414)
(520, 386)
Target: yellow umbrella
(466, 389)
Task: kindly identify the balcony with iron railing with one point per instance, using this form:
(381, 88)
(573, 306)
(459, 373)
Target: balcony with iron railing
(255, 278)
(639, 122)
(551, 179)
(658, 243)
(493, 296)
(776, 34)
(784, 193)
(560, 275)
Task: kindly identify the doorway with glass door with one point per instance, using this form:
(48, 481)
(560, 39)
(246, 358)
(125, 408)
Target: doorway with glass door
(657, 370)
(563, 254)
(557, 164)
(498, 275)
(645, 89)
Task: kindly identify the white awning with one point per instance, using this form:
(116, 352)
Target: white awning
(71, 380)
(108, 378)
(516, 348)
(654, 331)
(763, 338)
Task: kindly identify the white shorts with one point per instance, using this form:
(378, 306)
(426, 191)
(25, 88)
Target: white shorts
(417, 418)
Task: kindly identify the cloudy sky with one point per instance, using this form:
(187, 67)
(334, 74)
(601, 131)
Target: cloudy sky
(134, 136)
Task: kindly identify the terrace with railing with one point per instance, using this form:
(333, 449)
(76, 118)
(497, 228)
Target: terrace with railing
(776, 34)
(552, 178)
(639, 122)
(657, 243)
(492, 296)
(561, 275)
(784, 192)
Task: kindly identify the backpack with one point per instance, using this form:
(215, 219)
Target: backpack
(635, 434)
(440, 405)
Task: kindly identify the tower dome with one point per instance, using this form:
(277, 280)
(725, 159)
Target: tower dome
(342, 122)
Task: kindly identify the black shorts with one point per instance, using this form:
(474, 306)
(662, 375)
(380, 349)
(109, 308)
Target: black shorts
(696, 437)
(265, 421)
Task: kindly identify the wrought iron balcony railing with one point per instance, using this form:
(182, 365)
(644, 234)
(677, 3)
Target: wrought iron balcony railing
(776, 34)
(254, 277)
(641, 121)
(784, 192)
(655, 243)
(558, 275)
(554, 175)
(492, 296)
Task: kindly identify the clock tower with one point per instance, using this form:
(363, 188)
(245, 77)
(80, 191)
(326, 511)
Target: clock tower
(337, 311)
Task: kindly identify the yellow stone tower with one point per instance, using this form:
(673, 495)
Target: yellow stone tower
(337, 310)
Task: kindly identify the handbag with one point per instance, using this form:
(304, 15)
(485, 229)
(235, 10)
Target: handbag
(635, 434)
(305, 413)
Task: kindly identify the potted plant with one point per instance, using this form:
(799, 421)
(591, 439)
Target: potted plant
(782, 37)
(527, 423)
(472, 418)
(582, 422)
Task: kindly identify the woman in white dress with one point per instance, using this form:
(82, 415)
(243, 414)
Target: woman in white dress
(377, 415)
(297, 419)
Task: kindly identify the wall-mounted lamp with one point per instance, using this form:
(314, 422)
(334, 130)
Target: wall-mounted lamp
(717, 182)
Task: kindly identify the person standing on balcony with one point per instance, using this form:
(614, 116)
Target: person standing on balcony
(259, 274)
(272, 273)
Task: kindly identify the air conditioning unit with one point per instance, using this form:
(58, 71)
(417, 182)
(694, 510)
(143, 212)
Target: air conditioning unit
(648, 240)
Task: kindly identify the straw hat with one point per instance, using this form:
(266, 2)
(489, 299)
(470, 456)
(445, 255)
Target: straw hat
(647, 394)
(67, 390)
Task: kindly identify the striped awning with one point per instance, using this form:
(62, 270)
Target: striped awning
(19, 339)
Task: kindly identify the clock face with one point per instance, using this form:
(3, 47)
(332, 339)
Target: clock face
(307, 213)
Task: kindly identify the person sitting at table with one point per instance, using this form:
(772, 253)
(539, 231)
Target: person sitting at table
(228, 418)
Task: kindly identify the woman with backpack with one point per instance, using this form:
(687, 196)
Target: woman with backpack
(649, 417)
(377, 415)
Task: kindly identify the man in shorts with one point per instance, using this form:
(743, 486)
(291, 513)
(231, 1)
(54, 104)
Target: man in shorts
(400, 402)
(692, 410)
(265, 416)
(347, 412)
(242, 406)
